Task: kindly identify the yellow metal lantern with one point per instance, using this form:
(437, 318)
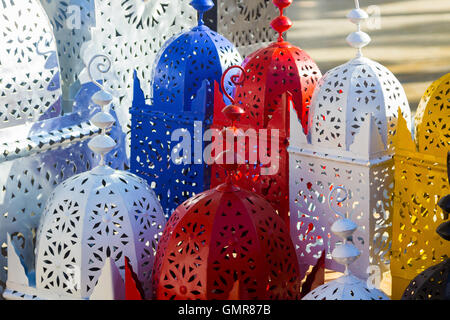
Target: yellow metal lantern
(420, 181)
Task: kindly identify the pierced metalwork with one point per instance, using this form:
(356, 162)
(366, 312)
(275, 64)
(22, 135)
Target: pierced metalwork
(420, 181)
(186, 69)
(71, 21)
(226, 243)
(89, 218)
(352, 123)
(274, 76)
(246, 23)
(347, 287)
(30, 88)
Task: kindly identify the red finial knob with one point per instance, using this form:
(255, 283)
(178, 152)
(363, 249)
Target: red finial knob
(233, 112)
(281, 23)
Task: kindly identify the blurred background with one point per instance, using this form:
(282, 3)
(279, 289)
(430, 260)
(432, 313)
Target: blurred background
(409, 37)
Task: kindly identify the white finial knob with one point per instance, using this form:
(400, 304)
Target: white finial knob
(101, 144)
(358, 39)
(345, 253)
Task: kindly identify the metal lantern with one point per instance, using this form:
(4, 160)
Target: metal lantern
(347, 287)
(353, 118)
(39, 146)
(434, 283)
(186, 68)
(420, 181)
(226, 243)
(92, 217)
(270, 74)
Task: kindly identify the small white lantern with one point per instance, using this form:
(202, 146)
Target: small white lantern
(353, 118)
(92, 221)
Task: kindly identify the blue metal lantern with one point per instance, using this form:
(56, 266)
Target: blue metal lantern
(167, 135)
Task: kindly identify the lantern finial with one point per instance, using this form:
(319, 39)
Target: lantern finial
(358, 39)
(281, 23)
(202, 6)
(346, 253)
(101, 144)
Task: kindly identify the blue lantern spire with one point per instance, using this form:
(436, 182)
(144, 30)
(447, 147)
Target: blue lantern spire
(202, 6)
(182, 102)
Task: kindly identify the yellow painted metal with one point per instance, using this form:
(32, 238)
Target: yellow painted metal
(420, 181)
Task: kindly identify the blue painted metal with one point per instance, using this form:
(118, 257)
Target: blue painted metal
(182, 86)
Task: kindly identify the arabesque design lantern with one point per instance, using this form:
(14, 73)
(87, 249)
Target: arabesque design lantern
(353, 118)
(226, 243)
(98, 216)
(420, 181)
(271, 74)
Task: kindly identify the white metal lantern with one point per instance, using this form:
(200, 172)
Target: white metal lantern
(92, 221)
(353, 118)
(346, 287)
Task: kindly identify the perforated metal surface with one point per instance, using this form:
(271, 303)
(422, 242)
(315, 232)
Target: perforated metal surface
(420, 182)
(183, 78)
(271, 73)
(226, 243)
(246, 23)
(71, 21)
(352, 122)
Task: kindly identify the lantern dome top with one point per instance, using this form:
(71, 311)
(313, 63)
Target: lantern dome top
(226, 243)
(95, 216)
(229, 239)
(432, 118)
(186, 61)
(272, 71)
(346, 287)
(354, 96)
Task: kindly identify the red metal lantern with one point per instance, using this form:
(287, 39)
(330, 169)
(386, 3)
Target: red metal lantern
(273, 76)
(226, 243)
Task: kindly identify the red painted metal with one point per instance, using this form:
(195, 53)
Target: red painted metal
(133, 288)
(226, 243)
(273, 76)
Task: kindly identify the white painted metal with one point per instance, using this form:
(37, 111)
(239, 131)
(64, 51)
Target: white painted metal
(89, 218)
(353, 118)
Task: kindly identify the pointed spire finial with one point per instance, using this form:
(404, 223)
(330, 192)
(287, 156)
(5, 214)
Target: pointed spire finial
(358, 39)
(101, 144)
(346, 253)
(281, 23)
(202, 6)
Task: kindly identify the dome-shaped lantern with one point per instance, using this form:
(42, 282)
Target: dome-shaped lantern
(420, 180)
(347, 287)
(434, 283)
(167, 136)
(271, 75)
(226, 243)
(353, 118)
(91, 223)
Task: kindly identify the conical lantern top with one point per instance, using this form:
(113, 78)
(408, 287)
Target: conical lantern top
(358, 39)
(202, 6)
(101, 144)
(281, 23)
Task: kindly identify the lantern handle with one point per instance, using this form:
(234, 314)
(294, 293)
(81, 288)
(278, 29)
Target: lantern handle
(338, 200)
(101, 67)
(234, 79)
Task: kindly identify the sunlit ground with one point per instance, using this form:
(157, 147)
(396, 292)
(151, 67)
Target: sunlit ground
(411, 37)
